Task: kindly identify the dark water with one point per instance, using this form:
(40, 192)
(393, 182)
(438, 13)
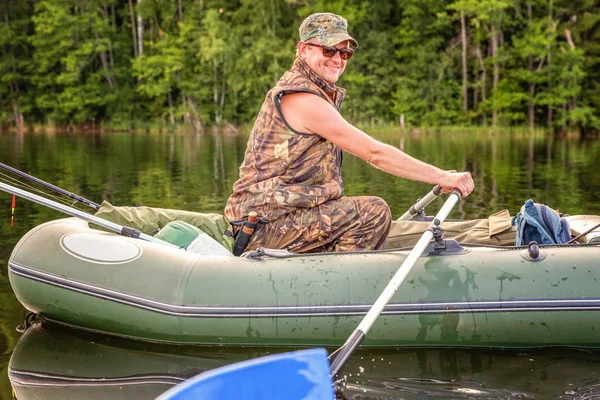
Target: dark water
(196, 173)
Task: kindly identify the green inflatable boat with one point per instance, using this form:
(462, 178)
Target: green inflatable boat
(478, 295)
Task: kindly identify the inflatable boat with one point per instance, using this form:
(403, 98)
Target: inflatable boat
(456, 295)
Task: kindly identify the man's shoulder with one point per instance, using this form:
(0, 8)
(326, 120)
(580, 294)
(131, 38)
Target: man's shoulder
(294, 79)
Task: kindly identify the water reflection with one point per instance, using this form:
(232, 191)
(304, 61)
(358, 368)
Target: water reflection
(195, 172)
(473, 374)
(57, 363)
(440, 280)
(51, 362)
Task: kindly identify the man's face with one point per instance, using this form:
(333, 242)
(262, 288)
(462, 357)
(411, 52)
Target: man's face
(329, 69)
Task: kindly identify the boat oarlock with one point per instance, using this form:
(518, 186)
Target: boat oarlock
(419, 206)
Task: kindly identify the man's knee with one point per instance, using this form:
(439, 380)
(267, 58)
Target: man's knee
(384, 215)
(378, 211)
(375, 215)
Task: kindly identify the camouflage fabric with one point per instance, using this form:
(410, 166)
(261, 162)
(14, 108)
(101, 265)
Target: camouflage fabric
(283, 169)
(345, 224)
(329, 29)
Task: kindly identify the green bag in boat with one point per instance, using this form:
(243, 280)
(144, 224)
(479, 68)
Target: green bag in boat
(185, 235)
(178, 233)
(495, 230)
(148, 220)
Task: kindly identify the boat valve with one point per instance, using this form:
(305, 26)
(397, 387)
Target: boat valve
(533, 253)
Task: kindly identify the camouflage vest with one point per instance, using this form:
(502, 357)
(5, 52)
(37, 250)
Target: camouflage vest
(284, 169)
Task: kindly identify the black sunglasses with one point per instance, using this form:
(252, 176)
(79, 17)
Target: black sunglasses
(329, 52)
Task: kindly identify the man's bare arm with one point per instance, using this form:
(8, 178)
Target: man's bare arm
(308, 112)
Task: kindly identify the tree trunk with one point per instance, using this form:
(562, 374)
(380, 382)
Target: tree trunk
(550, 110)
(483, 80)
(103, 54)
(216, 92)
(171, 114)
(530, 105)
(196, 120)
(17, 114)
(223, 82)
(574, 80)
(104, 60)
(496, 78)
(179, 11)
(111, 53)
(186, 113)
(133, 28)
(565, 110)
(463, 36)
(140, 33)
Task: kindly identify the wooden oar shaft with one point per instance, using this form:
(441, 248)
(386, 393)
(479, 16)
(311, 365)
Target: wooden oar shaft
(122, 230)
(419, 205)
(50, 186)
(344, 353)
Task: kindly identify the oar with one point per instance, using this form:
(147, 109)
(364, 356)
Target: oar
(50, 186)
(340, 357)
(421, 204)
(122, 230)
(296, 375)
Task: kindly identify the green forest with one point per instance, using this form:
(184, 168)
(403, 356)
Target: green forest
(193, 64)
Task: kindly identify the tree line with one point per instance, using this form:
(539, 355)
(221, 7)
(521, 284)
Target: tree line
(195, 63)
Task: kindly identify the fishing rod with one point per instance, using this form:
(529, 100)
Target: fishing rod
(121, 230)
(73, 196)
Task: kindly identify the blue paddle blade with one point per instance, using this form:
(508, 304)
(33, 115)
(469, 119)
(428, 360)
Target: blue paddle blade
(292, 376)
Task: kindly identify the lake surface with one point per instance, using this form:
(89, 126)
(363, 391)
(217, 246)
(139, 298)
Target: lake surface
(195, 172)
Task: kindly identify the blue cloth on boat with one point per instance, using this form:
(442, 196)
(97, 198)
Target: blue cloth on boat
(538, 222)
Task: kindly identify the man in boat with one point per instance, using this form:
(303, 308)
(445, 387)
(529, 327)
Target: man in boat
(291, 174)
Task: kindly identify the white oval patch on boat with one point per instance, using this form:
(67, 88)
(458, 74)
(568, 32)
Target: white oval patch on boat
(100, 248)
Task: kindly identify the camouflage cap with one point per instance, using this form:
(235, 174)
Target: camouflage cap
(329, 29)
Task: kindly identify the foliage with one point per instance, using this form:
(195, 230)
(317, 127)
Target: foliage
(122, 63)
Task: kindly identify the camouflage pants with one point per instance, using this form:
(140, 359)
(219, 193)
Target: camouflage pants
(341, 225)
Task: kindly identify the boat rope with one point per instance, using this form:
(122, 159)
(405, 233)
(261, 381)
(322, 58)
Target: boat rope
(261, 252)
(541, 246)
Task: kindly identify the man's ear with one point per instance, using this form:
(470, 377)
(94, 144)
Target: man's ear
(301, 49)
